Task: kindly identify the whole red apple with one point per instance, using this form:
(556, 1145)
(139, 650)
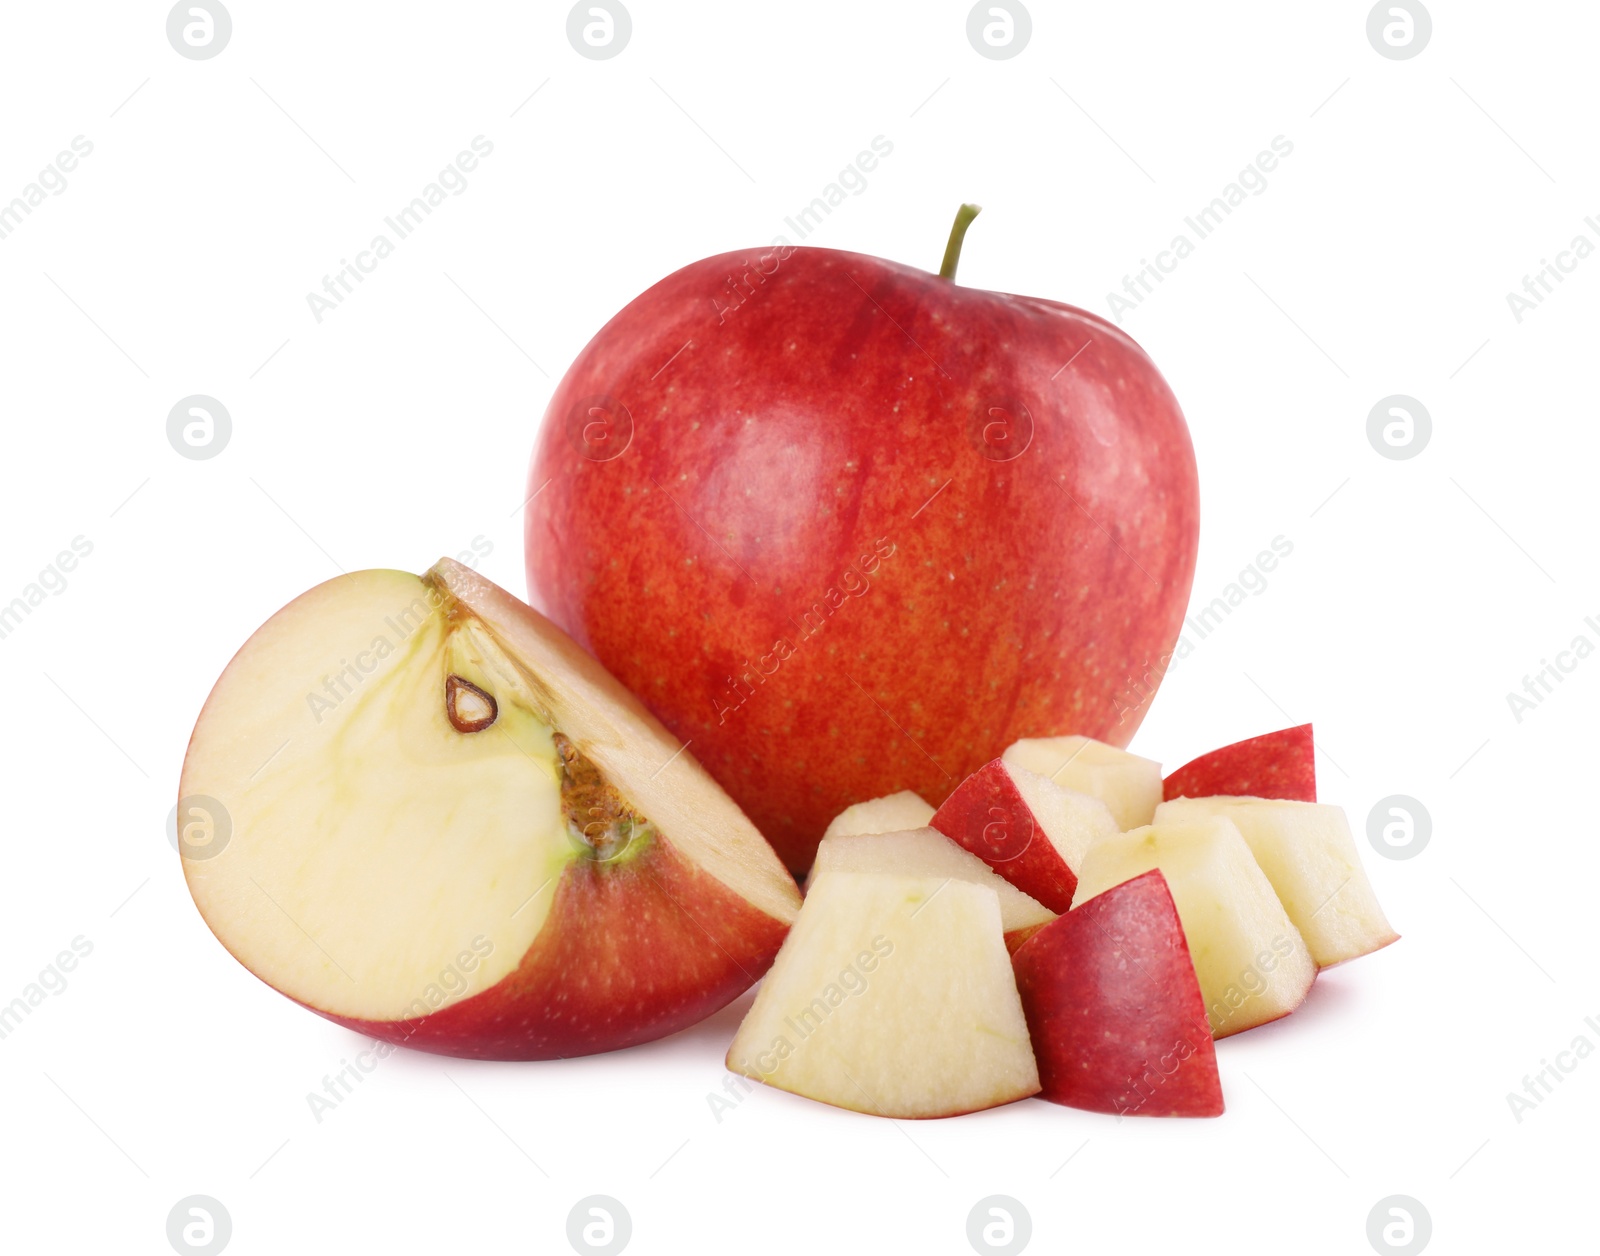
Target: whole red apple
(850, 528)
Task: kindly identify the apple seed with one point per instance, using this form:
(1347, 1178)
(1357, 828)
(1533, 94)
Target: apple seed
(470, 709)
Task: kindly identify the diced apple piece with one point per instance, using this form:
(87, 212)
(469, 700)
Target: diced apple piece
(1027, 828)
(1308, 854)
(1114, 1007)
(929, 853)
(891, 995)
(1252, 963)
(893, 813)
(1274, 765)
(1128, 784)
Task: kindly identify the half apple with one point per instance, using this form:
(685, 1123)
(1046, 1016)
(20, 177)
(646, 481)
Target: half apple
(433, 818)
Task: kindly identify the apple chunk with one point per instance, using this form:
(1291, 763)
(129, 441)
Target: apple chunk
(1306, 850)
(1274, 765)
(1252, 964)
(1128, 784)
(892, 995)
(1114, 1007)
(929, 853)
(1027, 828)
(893, 813)
(449, 827)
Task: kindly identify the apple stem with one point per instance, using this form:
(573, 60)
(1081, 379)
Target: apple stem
(958, 233)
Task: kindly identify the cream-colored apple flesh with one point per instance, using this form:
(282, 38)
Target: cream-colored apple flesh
(1128, 784)
(892, 995)
(423, 782)
(1252, 964)
(925, 852)
(1308, 854)
(893, 813)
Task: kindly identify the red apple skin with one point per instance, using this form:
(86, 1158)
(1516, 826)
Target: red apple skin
(631, 951)
(987, 816)
(1114, 1008)
(1274, 765)
(762, 497)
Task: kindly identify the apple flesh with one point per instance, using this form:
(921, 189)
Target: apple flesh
(927, 853)
(452, 829)
(1128, 784)
(1309, 856)
(870, 511)
(893, 813)
(892, 995)
(1028, 829)
(1274, 765)
(1114, 1008)
(1251, 962)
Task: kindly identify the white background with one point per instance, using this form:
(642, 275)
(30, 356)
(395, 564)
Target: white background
(178, 259)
